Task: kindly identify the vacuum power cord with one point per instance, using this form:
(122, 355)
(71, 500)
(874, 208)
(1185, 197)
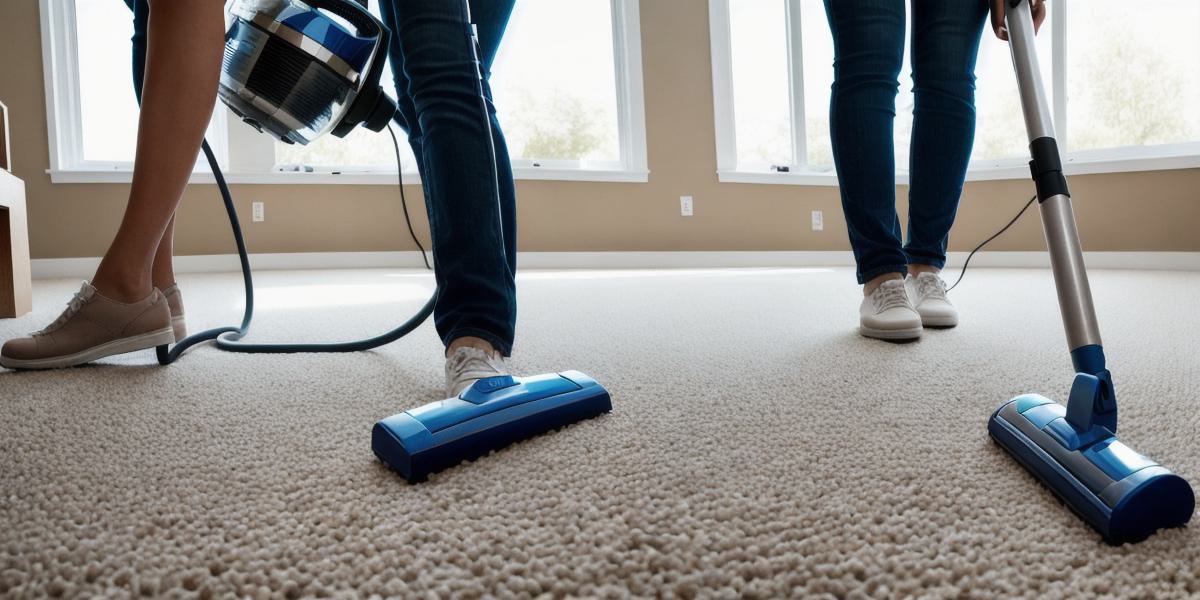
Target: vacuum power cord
(403, 200)
(985, 242)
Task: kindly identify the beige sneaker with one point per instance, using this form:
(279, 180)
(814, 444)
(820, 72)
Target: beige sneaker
(468, 365)
(92, 327)
(175, 302)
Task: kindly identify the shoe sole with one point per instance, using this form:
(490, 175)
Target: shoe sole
(143, 341)
(891, 334)
(940, 322)
(179, 327)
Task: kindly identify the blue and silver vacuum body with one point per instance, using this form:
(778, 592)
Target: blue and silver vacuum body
(489, 415)
(1074, 449)
(299, 69)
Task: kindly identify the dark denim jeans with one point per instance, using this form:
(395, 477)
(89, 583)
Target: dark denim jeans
(445, 104)
(868, 41)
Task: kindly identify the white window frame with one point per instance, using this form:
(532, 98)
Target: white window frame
(729, 170)
(250, 152)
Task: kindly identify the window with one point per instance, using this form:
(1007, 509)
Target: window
(570, 116)
(569, 99)
(95, 113)
(109, 112)
(1123, 85)
(1133, 75)
(761, 97)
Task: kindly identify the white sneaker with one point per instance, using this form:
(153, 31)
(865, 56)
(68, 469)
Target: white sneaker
(888, 315)
(468, 365)
(927, 292)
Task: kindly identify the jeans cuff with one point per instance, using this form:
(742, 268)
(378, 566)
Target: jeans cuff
(865, 276)
(497, 342)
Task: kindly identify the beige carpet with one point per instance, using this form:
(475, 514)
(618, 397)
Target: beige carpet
(758, 448)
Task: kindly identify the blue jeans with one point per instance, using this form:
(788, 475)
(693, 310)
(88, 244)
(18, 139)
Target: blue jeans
(868, 41)
(445, 104)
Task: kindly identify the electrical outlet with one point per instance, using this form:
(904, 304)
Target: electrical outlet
(259, 212)
(818, 220)
(685, 206)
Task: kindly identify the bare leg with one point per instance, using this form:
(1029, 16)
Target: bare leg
(163, 271)
(183, 64)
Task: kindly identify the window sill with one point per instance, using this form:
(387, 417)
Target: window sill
(815, 178)
(125, 175)
(1083, 164)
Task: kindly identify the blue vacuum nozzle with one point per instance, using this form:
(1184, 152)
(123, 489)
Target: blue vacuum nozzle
(489, 415)
(1125, 496)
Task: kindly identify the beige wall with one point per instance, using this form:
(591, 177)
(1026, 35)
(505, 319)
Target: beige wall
(1131, 211)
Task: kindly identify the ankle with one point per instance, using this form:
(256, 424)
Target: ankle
(915, 270)
(121, 290)
(162, 275)
(872, 285)
(468, 341)
(163, 283)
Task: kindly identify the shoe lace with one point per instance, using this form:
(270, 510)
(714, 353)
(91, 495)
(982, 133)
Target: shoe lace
(890, 296)
(931, 287)
(73, 306)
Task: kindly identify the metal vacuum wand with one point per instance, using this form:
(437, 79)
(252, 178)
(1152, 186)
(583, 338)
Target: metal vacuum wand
(1058, 218)
(1093, 399)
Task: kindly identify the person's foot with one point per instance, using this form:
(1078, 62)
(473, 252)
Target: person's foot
(466, 365)
(887, 314)
(175, 302)
(927, 292)
(92, 327)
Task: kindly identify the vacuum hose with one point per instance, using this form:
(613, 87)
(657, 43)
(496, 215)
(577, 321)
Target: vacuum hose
(229, 338)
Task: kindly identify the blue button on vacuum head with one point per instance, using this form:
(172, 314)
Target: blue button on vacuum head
(491, 414)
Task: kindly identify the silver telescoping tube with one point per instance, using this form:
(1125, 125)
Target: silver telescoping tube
(1058, 217)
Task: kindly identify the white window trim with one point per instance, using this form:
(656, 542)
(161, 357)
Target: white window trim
(725, 130)
(248, 149)
(729, 170)
(631, 103)
(60, 77)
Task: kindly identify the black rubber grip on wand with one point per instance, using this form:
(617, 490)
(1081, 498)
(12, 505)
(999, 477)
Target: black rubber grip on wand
(1046, 168)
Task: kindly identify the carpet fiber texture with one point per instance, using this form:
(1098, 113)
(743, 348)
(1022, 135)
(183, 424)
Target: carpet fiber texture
(758, 447)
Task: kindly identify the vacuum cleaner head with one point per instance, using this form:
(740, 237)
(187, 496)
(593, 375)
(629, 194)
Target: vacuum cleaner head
(1125, 496)
(292, 68)
(489, 415)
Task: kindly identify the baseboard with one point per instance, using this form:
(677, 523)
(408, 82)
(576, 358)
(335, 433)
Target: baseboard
(47, 268)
